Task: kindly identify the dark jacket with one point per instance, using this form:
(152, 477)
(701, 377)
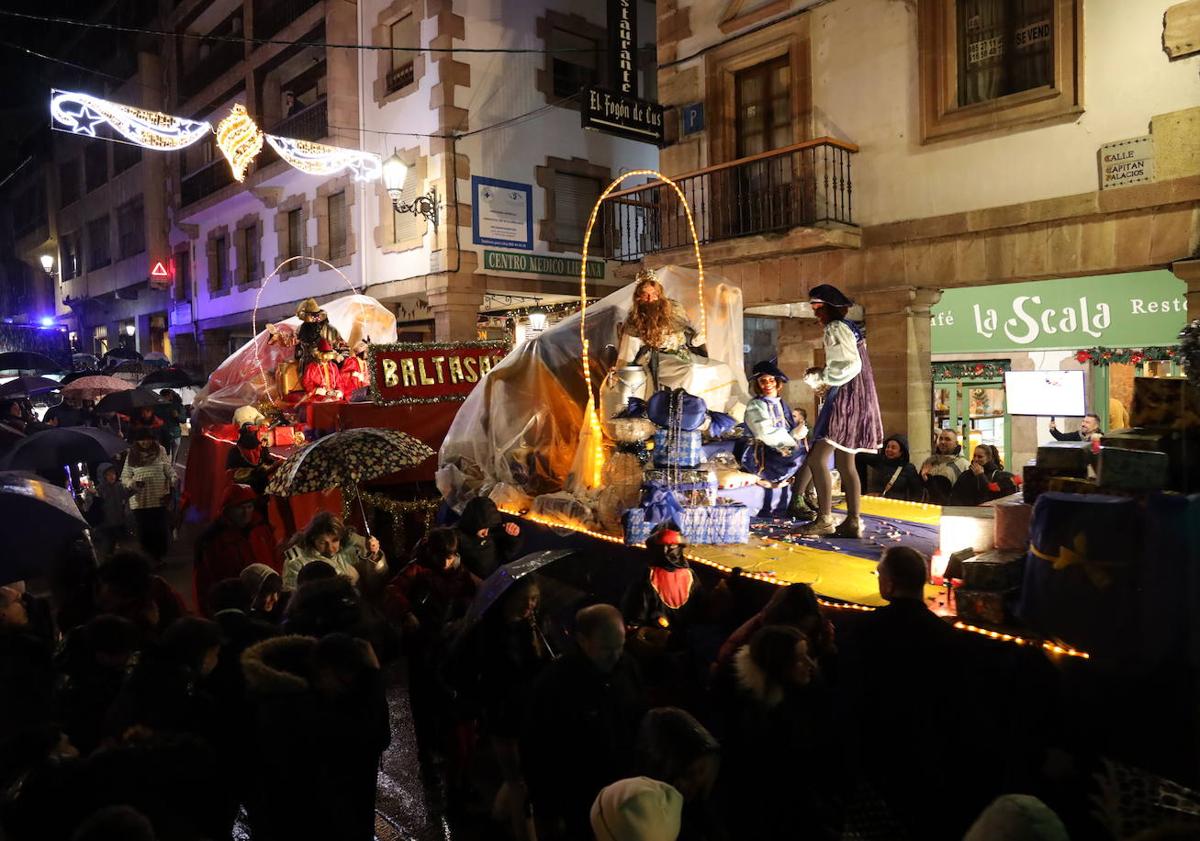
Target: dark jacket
(109, 506)
(992, 483)
(906, 484)
(483, 556)
(315, 755)
(580, 732)
(1074, 435)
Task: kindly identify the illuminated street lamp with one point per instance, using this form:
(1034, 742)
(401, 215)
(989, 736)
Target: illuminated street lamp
(48, 263)
(395, 172)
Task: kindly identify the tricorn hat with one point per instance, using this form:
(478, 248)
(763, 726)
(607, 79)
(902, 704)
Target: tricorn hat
(827, 294)
(769, 367)
(309, 305)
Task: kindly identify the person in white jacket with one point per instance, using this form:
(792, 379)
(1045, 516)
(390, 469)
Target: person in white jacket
(777, 446)
(326, 538)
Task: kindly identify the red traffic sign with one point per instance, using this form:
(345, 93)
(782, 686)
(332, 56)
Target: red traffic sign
(160, 270)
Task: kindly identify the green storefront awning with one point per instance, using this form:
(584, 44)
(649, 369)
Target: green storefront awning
(1139, 309)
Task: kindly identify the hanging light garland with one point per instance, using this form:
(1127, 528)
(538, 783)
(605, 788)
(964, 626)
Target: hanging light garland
(238, 137)
(1103, 356)
(398, 510)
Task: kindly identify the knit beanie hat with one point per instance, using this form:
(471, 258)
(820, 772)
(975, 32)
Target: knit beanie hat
(1017, 817)
(637, 809)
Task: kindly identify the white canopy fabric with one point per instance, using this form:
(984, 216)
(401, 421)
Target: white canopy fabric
(521, 425)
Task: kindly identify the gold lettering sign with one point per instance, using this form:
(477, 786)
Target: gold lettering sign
(456, 371)
(437, 367)
(469, 367)
(410, 372)
(485, 365)
(425, 378)
(389, 373)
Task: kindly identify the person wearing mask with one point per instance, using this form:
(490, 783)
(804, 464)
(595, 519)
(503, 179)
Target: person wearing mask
(892, 474)
(849, 421)
(328, 539)
(151, 478)
(250, 462)
(1089, 430)
(237, 539)
(665, 597)
(984, 480)
(485, 541)
(941, 470)
(583, 715)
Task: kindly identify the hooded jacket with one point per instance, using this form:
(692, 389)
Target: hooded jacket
(483, 556)
(894, 478)
(110, 499)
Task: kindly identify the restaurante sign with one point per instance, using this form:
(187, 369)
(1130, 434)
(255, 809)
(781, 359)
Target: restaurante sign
(440, 372)
(1140, 309)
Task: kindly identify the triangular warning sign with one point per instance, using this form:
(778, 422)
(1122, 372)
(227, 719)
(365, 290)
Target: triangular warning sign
(159, 270)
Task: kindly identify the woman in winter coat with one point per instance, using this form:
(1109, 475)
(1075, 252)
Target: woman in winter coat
(151, 478)
(893, 475)
(985, 480)
(328, 539)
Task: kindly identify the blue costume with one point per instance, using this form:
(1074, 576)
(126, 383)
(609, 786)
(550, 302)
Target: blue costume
(775, 447)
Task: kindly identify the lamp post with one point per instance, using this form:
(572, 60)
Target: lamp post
(48, 264)
(395, 172)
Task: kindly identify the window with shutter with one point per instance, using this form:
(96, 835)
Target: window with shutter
(572, 71)
(574, 197)
(403, 33)
(409, 226)
(295, 237)
(337, 226)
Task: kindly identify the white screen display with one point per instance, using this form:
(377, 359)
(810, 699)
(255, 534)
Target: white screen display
(1045, 393)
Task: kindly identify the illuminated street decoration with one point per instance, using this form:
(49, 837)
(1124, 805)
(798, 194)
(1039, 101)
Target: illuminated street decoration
(239, 140)
(238, 137)
(79, 113)
(319, 159)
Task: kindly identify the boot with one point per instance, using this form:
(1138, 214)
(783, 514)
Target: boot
(849, 527)
(820, 527)
(810, 499)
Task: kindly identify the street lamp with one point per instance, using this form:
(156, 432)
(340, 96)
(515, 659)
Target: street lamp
(395, 172)
(48, 263)
(537, 318)
(130, 330)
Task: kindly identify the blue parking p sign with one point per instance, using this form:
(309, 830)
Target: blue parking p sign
(693, 117)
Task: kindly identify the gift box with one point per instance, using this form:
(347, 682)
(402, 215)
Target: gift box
(997, 571)
(1182, 449)
(709, 524)
(1165, 403)
(1012, 525)
(1132, 469)
(283, 436)
(1068, 458)
(683, 478)
(985, 607)
(1072, 485)
(679, 449)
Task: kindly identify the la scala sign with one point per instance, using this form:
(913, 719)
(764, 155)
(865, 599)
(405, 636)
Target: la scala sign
(440, 372)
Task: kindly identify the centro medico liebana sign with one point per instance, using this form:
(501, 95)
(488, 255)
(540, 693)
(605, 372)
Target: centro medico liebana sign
(1142, 309)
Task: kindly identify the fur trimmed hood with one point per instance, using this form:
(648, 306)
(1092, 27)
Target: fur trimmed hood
(754, 680)
(278, 666)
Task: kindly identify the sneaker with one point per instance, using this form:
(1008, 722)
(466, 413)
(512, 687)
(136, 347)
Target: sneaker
(849, 527)
(820, 527)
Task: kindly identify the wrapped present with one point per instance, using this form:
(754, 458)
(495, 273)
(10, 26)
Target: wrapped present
(1181, 446)
(1165, 403)
(679, 449)
(1072, 485)
(285, 436)
(996, 570)
(709, 524)
(1012, 525)
(1132, 469)
(985, 607)
(1068, 458)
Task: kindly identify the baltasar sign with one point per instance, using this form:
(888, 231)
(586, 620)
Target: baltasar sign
(1142, 309)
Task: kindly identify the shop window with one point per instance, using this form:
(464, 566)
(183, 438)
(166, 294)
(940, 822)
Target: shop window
(68, 182)
(337, 225)
(763, 95)
(988, 64)
(95, 164)
(574, 57)
(99, 248)
(403, 33)
(131, 228)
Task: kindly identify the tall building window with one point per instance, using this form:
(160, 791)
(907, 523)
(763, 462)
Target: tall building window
(295, 234)
(249, 245)
(574, 197)
(403, 33)
(183, 273)
(68, 247)
(218, 270)
(68, 182)
(763, 101)
(99, 248)
(1003, 47)
(95, 164)
(337, 226)
(572, 71)
(131, 228)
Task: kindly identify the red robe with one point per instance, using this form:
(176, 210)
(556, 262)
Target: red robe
(321, 374)
(353, 374)
(224, 550)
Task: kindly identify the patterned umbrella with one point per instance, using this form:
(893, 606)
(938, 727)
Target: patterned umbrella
(347, 458)
(93, 387)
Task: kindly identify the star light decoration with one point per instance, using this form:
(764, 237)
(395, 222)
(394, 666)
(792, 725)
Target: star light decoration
(238, 137)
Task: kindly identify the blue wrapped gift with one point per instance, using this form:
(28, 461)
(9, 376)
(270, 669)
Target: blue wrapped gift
(678, 449)
(708, 524)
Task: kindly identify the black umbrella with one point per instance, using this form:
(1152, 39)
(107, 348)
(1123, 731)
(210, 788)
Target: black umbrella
(25, 385)
(52, 448)
(129, 401)
(34, 363)
(121, 353)
(498, 583)
(42, 518)
(170, 377)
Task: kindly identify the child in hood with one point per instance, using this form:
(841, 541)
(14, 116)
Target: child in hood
(485, 541)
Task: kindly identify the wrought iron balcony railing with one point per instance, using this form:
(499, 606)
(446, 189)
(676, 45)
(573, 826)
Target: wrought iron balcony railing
(270, 17)
(205, 181)
(797, 186)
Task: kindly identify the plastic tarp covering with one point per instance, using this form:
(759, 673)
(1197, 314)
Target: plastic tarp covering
(245, 377)
(521, 426)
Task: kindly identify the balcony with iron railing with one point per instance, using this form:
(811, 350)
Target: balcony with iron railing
(310, 123)
(205, 181)
(806, 185)
(221, 56)
(271, 16)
